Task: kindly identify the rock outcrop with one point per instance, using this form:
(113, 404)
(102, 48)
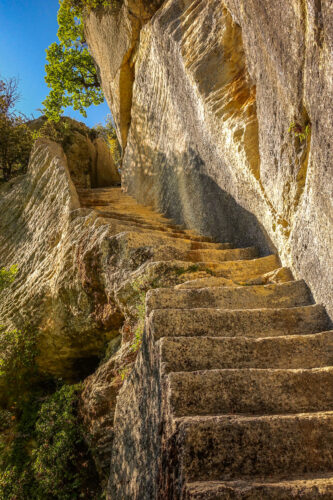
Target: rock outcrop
(217, 375)
(224, 112)
(231, 394)
(57, 247)
(89, 159)
(206, 363)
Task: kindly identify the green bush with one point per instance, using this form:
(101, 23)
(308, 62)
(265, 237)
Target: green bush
(7, 276)
(60, 459)
(18, 351)
(16, 139)
(48, 458)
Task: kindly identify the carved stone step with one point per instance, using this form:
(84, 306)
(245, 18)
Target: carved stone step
(230, 447)
(209, 353)
(290, 294)
(144, 224)
(222, 255)
(162, 247)
(250, 391)
(252, 323)
(147, 228)
(280, 275)
(243, 270)
(305, 488)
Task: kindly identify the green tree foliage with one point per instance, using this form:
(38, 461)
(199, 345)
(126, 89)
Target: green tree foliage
(7, 276)
(16, 138)
(45, 456)
(70, 71)
(61, 461)
(18, 351)
(92, 4)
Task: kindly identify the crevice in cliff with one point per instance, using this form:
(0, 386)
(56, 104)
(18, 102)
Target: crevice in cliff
(234, 103)
(126, 84)
(139, 14)
(302, 154)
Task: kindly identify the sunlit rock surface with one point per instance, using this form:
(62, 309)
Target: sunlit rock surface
(57, 247)
(216, 86)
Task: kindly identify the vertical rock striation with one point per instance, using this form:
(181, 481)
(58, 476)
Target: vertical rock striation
(215, 87)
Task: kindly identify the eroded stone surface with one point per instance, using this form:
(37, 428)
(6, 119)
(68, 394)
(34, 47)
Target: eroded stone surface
(58, 249)
(86, 260)
(215, 87)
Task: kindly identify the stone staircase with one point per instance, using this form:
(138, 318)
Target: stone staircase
(231, 396)
(248, 392)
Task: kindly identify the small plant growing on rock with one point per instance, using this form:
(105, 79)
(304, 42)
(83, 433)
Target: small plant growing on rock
(300, 131)
(46, 456)
(124, 372)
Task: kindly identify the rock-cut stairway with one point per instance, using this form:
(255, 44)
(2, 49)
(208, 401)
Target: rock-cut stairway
(232, 393)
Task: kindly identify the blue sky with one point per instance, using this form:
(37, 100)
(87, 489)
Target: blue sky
(27, 28)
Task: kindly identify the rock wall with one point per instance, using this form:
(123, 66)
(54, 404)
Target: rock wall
(89, 159)
(214, 88)
(59, 249)
(90, 162)
(52, 241)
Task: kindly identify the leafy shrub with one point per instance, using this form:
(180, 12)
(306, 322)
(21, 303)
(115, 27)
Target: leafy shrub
(60, 460)
(16, 139)
(16, 478)
(47, 457)
(18, 351)
(7, 276)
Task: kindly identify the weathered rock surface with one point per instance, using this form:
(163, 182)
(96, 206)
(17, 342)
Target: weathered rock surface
(86, 259)
(215, 86)
(115, 49)
(58, 248)
(89, 159)
(227, 401)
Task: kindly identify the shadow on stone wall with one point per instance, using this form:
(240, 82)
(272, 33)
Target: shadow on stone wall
(179, 187)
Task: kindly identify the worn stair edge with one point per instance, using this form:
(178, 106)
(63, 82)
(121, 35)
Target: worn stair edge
(280, 275)
(251, 323)
(290, 294)
(305, 488)
(229, 447)
(151, 238)
(208, 353)
(250, 391)
(223, 255)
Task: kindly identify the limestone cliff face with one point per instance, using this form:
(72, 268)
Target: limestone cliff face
(89, 159)
(204, 93)
(58, 248)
